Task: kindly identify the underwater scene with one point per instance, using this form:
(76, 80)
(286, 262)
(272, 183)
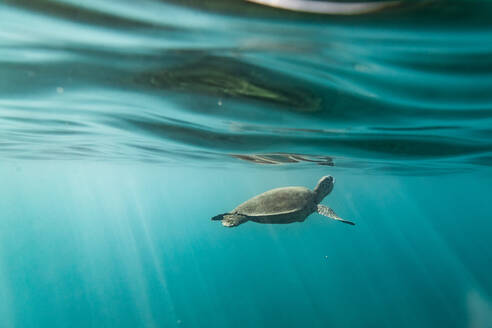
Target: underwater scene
(245, 163)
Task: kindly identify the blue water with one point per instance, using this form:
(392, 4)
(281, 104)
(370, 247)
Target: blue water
(125, 126)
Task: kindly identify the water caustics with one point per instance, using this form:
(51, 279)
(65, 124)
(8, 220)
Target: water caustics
(401, 86)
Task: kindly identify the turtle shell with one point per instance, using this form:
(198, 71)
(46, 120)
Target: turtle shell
(277, 201)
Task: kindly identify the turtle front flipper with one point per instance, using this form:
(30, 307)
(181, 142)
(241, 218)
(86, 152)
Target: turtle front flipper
(233, 220)
(328, 212)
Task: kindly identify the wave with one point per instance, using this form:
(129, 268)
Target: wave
(160, 82)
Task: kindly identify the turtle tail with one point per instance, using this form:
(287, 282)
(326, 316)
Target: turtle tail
(219, 217)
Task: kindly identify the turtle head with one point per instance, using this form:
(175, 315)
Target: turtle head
(324, 187)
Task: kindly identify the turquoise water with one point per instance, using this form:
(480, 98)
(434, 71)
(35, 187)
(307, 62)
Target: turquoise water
(125, 126)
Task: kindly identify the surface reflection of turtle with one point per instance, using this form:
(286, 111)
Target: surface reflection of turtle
(283, 205)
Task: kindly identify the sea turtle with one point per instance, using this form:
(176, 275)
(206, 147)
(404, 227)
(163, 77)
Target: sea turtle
(283, 205)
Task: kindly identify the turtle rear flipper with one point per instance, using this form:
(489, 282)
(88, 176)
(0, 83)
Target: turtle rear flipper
(233, 220)
(328, 212)
(219, 217)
